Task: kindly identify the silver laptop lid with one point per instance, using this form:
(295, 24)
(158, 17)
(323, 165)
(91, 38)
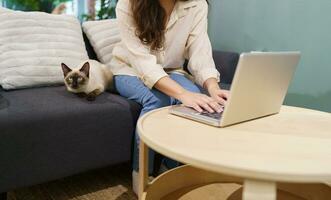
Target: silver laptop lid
(259, 85)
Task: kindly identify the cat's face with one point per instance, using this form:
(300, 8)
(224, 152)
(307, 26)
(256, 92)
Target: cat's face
(76, 79)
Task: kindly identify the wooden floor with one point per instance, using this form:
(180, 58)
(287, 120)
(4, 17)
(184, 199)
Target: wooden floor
(115, 184)
(105, 184)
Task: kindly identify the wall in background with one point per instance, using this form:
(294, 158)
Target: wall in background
(83, 9)
(41, 5)
(280, 25)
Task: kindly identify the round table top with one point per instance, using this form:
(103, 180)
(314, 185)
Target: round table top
(292, 146)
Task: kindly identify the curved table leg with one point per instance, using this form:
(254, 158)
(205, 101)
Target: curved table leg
(143, 168)
(259, 190)
(307, 190)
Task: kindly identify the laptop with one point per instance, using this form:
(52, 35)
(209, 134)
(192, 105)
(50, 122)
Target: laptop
(258, 89)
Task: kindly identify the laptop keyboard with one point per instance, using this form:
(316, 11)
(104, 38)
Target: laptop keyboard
(211, 115)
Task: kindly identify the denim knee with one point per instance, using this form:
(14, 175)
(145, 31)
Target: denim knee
(185, 83)
(155, 102)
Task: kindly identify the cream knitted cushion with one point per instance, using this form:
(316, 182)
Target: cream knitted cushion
(2, 9)
(33, 45)
(103, 36)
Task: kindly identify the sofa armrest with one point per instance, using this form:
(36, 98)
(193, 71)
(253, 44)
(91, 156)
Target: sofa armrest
(226, 64)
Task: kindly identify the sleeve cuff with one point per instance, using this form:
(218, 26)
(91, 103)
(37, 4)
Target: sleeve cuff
(206, 74)
(152, 77)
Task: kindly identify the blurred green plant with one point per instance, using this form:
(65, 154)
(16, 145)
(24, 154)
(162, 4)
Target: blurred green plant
(106, 11)
(33, 5)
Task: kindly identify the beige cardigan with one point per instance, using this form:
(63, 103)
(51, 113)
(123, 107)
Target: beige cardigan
(186, 37)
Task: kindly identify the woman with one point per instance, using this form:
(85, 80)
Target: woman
(157, 37)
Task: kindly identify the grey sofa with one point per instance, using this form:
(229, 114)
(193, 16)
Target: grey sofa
(47, 133)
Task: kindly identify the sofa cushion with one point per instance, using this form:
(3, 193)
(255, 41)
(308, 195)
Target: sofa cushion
(226, 64)
(33, 45)
(48, 133)
(103, 36)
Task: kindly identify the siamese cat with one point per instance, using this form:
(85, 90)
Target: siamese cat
(88, 80)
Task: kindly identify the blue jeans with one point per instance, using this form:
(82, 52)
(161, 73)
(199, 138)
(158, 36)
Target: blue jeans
(134, 89)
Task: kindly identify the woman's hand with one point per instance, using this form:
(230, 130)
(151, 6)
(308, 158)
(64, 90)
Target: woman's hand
(214, 90)
(199, 102)
(219, 95)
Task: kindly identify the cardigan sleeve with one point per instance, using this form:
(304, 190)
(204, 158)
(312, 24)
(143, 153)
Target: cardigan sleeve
(199, 49)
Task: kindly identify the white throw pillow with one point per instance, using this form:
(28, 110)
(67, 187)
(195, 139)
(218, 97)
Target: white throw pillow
(2, 9)
(103, 36)
(33, 45)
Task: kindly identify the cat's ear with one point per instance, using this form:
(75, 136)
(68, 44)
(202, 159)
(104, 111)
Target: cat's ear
(86, 69)
(65, 69)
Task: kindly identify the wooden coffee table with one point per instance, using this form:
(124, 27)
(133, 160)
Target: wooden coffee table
(290, 151)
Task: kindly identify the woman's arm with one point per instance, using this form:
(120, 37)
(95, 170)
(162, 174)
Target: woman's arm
(201, 63)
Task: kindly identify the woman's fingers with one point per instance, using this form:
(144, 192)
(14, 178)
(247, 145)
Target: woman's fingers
(217, 107)
(207, 107)
(213, 104)
(220, 97)
(197, 108)
(220, 100)
(201, 102)
(225, 94)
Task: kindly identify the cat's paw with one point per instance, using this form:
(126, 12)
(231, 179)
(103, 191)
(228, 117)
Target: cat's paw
(91, 97)
(81, 95)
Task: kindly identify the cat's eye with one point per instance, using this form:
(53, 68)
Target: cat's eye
(80, 78)
(70, 78)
